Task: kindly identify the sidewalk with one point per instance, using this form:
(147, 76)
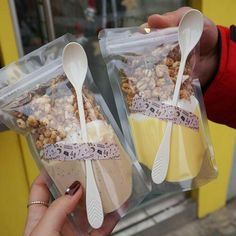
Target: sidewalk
(220, 223)
(176, 216)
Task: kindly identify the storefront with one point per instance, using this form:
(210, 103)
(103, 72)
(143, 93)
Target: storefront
(27, 25)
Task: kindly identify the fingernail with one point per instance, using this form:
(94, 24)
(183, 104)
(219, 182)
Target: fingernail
(73, 188)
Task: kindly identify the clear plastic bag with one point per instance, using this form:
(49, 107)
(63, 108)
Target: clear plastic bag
(38, 101)
(142, 65)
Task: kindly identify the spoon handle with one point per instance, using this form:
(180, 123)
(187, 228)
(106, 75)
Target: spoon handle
(179, 80)
(161, 162)
(93, 199)
(82, 116)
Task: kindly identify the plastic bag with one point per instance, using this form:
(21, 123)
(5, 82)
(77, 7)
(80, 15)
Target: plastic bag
(142, 65)
(38, 101)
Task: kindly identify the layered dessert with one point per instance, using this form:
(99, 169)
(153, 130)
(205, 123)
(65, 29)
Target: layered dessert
(50, 115)
(148, 83)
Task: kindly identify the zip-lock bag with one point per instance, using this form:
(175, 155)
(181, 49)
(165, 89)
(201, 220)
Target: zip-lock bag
(142, 65)
(38, 101)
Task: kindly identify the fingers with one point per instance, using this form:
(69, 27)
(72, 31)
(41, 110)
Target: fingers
(39, 192)
(56, 215)
(169, 19)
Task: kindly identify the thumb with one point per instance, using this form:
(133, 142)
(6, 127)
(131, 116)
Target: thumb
(56, 215)
(169, 19)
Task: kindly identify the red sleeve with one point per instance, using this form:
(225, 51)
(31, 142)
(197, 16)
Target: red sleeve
(220, 96)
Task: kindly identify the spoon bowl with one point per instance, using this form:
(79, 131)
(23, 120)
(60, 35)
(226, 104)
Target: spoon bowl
(75, 64)
(189, 32)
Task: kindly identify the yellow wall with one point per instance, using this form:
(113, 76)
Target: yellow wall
(220, 11)
(197, 4)
(213, 196)
(17, 169)
(7, 38)
(13, 184)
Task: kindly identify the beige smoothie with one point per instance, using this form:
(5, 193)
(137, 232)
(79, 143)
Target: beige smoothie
(53, 118)
(113, 177)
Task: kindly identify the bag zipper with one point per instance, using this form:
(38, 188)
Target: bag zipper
(32, 79)
(116, 44)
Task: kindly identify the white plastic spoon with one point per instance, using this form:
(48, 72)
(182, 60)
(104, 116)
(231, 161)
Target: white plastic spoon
(189, 33)
(75, 65)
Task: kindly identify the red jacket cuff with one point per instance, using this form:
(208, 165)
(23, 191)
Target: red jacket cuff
(220, 97)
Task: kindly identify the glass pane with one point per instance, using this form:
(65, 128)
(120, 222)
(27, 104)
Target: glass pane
(32, 33)
(86, 18)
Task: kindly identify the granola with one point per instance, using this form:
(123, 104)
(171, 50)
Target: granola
(154, 75)
(51, 112)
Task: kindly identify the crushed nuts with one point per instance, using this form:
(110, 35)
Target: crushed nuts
(21, 123)
(51, 117)
(154, 75)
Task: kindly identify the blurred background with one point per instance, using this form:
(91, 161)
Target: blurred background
(26, 25)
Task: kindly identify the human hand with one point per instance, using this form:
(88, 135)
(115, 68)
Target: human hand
(207, 66)
(52, 220)
(43, 220)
